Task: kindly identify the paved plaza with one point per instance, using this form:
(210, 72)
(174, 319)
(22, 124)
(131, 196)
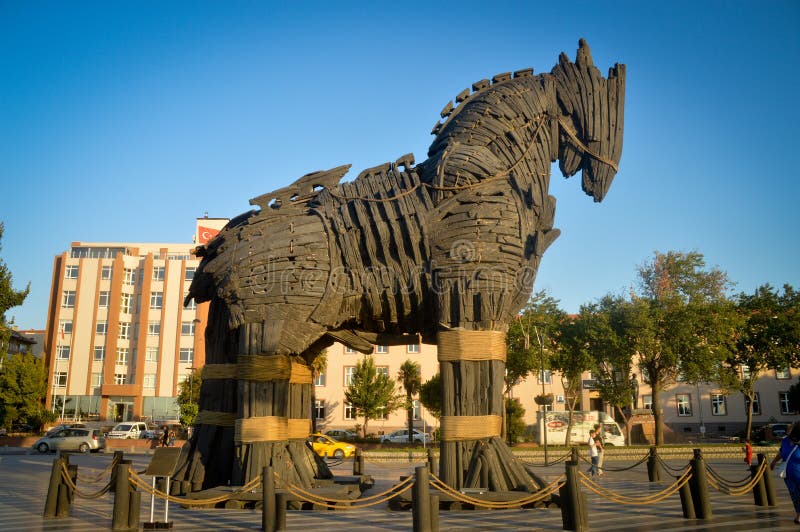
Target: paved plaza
(24, 478)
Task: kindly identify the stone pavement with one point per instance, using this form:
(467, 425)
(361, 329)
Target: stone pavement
(23, 488)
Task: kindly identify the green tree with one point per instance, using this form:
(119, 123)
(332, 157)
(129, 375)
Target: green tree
(410, 378)
(189, 398)
(571, 358)
(318, 366)
(372, 394)
(529, 335)
(680, 320)
(515, 414)
(9, 298)
(767, 336)
(430, 395)
(613, 352)
(23, 385)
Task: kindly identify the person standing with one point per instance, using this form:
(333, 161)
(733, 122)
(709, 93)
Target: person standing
(593, 454)
(598, 439)
(748, 453)
(788, 453)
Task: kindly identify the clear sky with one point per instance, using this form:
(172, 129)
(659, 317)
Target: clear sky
(124, 121)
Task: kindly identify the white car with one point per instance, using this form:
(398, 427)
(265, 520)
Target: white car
(401, 436)
(132, 430)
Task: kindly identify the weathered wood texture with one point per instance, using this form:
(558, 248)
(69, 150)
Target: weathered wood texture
(451, 243)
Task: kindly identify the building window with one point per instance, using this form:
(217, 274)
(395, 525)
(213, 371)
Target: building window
(102, 299)
(191, 305)
(151, 354)
(105, 272)
(349, 375)
(349, 411)
(122, 355)
(319, 408)
(190, 273)
(97, 380)
(126, 303)
(417, 410)
(156, 299)
(684, 401)
(319, 380)
(187, 328)
(99, 353)
(382, 370)
(128, 277)
(124, 331)
(186, 355)
(68, 299)
(783, 373)
(545, 377)
(158, 273)
(154, 328)
(120, 378)
(756, 404)
(381, 348)
(783, 397)
(349, 350)
(60, 379)
(101, 328)
(718, 406)
(62, 352)
(647, 402)
(65, 327)
(71, 272)
(412, 348)
(745, 369)
(150, 381)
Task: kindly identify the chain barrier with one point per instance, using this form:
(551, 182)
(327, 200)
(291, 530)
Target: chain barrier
(625, 499)
(352, 504)
(617, 469)
(679, 470)
(741, 490)
(65, 476)
(545, 492)
(557, 461)
(147, 488)
(728, 483)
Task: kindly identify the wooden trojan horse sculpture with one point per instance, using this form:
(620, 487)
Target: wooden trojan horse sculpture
(447, 249)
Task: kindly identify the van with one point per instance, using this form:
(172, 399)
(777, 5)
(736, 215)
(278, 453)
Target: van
(582, 423)
(131, 430)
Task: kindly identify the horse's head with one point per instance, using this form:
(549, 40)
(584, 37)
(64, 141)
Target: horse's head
(590, 120)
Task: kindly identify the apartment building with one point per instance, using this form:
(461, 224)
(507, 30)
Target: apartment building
(119, 339)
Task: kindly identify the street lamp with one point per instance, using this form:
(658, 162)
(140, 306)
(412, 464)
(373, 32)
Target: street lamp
(544, 395)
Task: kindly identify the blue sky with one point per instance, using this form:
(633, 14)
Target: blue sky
(124, 121)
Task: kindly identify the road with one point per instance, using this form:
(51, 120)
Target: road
(24, 478)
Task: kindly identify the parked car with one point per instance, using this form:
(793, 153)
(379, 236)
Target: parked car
(341, 435)
(401, 436)
(326, 446)
(81, 440)
(131, 430)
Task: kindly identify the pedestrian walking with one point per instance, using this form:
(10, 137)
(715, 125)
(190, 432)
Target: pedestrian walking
(598, 440)
(593, 453)
(791, 473)
(164, 436)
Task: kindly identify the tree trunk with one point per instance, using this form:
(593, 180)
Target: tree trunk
(749, 426)
(410, 418)
(657, 412)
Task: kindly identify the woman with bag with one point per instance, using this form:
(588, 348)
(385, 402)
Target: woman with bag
(791, 466)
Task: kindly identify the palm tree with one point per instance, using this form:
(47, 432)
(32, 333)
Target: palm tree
(410, 379)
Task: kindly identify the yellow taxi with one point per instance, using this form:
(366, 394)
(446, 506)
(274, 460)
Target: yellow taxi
(325, 446)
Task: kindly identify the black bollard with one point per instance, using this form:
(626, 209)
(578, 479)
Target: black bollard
(698, 485)
(759, 490)
(280, 511)
(51, 503)
(434, 513)
(356, 464)
(433, 463)
(686, 501)
(122, 498)
(769, 486)
(134, 505)
(574, 515)
(66, 494)
(268, 512)
(653, 472)
(575, 456)
(421, 505)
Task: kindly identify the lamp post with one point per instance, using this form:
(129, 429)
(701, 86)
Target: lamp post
(542, 406)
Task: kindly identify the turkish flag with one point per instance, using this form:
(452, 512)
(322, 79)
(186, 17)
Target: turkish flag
(204, 234)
